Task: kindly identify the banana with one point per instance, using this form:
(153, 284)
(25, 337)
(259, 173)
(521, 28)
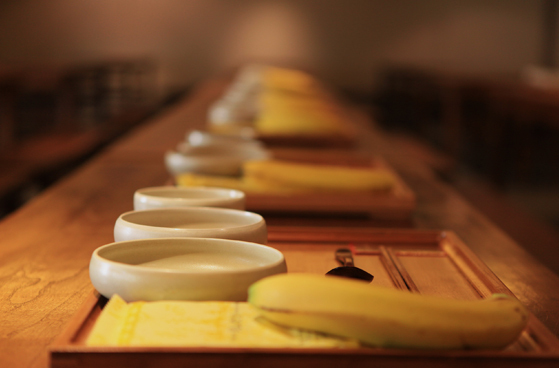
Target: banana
(190, 179)
(280, 114)
(284, 177)
(299, 122)
(317, 177)
(247, 185)
(287, 79)
(385, 317)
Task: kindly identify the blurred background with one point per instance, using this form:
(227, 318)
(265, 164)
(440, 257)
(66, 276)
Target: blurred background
(470, 84)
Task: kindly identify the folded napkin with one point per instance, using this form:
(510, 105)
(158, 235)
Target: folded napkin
(189, 324)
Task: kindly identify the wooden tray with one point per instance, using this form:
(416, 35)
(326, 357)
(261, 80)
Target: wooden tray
(397, 204)
(427, 262)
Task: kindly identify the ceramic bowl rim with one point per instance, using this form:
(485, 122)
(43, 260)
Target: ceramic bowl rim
(160, 271)
(232, 194)
(255, 224)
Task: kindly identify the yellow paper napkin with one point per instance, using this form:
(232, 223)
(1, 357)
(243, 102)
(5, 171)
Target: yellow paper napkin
(189, 324)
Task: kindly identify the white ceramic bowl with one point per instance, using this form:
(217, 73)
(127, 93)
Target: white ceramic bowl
(203, 138)
(170, 196)
(212, 159)
(237, 108)
(182, 268)
(197, 222)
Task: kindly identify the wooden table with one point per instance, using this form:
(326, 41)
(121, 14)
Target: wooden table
(45, 247)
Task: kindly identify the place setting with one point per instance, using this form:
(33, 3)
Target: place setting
(194, 269)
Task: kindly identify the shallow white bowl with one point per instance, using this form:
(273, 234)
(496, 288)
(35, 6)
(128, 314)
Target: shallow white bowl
(212, 159)
(203, 138)
(182, 268)
(237, 107)
(170, 196)
(198, 222)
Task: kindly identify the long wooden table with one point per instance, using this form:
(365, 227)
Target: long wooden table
(45, 246)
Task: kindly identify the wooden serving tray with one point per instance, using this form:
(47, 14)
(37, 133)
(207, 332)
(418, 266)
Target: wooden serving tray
(396, 204)
(426, 262)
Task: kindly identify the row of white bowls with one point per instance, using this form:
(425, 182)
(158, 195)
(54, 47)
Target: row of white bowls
(185, 244)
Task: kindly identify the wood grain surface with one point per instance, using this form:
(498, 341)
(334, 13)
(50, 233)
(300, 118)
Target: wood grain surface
(46, 245)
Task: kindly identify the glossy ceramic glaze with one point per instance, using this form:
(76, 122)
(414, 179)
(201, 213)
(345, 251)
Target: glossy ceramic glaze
(199, 222)
(171, 196)
(182, 268)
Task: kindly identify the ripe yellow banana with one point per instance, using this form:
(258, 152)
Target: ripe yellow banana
(190, 180)
(284, 177)
(317, 177)
(287, 79)
(299, 123)
(247, 185)
(385, 317)
(284, 114)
